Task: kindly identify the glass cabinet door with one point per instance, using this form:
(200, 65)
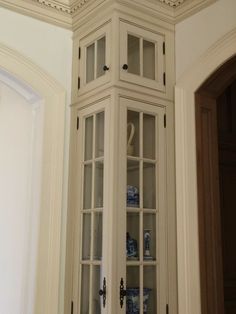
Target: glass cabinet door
(142, 56)
(144, 210)
(94, 58)
(91, 214)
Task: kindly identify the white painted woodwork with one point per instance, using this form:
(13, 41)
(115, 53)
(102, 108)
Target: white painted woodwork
(20, 188)
(117, 25)
(146, 58)
(114, 207)
(66, 13)
(90, 68)
(48, 249)
(117, 93)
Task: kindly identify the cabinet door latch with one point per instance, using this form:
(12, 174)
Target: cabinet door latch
(102, 292)
(122, 292)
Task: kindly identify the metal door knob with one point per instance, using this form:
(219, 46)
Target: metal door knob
(105, 68)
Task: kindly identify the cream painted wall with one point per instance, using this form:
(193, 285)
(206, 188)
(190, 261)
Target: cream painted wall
(197, 33)
(49, 47)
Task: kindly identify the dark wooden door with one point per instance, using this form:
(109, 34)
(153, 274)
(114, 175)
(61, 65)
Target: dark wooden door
(226, 112)
(209, 206)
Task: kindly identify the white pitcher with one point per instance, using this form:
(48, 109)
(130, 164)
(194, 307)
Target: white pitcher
(130, 132)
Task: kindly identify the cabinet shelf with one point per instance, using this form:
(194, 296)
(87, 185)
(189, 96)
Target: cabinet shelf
(142, 263)
(89, 262)
(90, 161)
(140, 210)
(94, 210)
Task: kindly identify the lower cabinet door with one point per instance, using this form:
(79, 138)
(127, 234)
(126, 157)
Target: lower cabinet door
(121, 210)
(142, 214)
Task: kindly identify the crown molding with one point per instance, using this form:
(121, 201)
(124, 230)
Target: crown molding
(63, 13)
(190, 7)
(50, 11)
(173, 3)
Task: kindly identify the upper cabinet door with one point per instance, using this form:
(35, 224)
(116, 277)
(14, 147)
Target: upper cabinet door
(142, 57)
(94, 59)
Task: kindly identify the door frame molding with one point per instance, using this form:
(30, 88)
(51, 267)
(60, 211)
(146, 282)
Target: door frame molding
(186, 170)
(49, 246)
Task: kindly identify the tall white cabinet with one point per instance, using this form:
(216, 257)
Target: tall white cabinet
(122, 224)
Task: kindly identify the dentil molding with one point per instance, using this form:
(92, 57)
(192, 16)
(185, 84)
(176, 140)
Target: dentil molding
(70, 9)
(173, 3)
(63, 12)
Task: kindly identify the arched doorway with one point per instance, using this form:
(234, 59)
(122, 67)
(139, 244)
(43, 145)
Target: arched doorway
(48, 249)
(216, 182)
(21, 126)
(189, 290)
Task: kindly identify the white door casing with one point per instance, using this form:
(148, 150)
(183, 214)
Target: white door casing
(186, 175)
(48, 249)
(20, 168)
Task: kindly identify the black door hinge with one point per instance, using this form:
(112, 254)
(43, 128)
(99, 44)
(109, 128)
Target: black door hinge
(167, 308)
(77, 125)
(164, 78)
(164, 48)
(79, 53)
(78, 82)
(72, 307)
(164, 120)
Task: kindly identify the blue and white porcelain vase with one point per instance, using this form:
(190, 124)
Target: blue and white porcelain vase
(131, 247)
(132, 196)
(132, 300)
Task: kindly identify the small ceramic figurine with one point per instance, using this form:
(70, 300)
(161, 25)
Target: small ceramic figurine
(147, 240)
(132, 196)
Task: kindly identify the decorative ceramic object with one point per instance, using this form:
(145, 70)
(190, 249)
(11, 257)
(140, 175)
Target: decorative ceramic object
(131, 247)
(132, 300)
(146, 243)
(130, 135)
(132, 196)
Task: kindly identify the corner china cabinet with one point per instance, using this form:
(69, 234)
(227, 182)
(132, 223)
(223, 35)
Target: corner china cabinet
(122, 173)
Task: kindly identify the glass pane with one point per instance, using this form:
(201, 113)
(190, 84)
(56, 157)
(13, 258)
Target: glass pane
(132, 290)
(132, 183)
(149, 185)
(133, 54)
(149, 59)
(99, 138)
(150, 290)
(86, 239)
(149, 136)
(133, 133)
(88, 138)
(149, 236)
(101, 51)
(90, 63)
(87, 186)
(84, 308)
(97, 285)
(97, 236)
(132, 236)
(98, 187)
